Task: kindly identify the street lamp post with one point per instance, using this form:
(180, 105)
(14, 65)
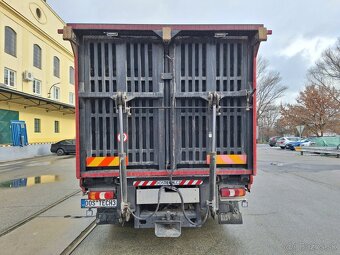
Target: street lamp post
(49, 91)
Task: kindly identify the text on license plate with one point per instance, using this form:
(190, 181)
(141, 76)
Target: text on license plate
(87, 203)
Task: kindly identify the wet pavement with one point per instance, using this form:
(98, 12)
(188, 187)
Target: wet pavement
(27, 186)
(294, 208)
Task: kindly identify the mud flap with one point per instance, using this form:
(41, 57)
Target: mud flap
(168, 229)
(230, 217)
(107, 216)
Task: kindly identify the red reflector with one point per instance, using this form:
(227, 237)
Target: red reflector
(226, 192)
(96, 195)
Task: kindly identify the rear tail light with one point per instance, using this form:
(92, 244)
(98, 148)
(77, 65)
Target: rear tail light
(96, 195)
(226, 192)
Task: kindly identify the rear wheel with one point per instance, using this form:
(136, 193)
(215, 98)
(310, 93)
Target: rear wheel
(282, 147)
(60, 152)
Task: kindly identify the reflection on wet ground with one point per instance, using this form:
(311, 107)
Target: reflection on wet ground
(29, 181)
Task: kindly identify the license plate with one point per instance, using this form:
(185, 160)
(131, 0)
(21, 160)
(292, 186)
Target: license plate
(87, 203)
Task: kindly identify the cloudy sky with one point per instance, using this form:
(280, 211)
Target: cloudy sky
(302, 29)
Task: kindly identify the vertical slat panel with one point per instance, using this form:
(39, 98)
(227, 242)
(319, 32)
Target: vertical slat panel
(147, 138)
(200, 66)
(186, 72)
(104, 128)
(221, 66)
(211, 67)
(139, 61)
(110, 59)
(95, 46)
(146, 53)
(96, 131)
(112, 131)
(132, 66)
(121, 67)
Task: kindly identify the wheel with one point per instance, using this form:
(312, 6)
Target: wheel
(282, 147)
(271, 145)
(60, 152)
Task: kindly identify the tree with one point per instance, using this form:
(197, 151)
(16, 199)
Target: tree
(326, 71)
(267, 122)
(269, 87)
(316, 108)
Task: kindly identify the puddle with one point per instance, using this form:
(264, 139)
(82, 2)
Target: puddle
(39, 164)
(276, 164)
(29, 181)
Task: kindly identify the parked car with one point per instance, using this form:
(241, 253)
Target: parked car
(284, 140)
(64, 147)
(292, 145)
(273, 140)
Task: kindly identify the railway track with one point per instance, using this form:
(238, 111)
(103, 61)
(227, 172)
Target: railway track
(31, 217)
(76, 242)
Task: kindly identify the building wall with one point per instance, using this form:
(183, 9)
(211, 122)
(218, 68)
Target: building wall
(47, 134)
(22, 17)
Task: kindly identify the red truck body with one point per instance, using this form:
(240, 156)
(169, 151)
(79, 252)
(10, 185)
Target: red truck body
(184, 98)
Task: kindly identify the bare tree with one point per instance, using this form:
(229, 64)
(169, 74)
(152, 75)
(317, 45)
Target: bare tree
(267, 122)
(329, 63)
(326, 71)
(269, 87)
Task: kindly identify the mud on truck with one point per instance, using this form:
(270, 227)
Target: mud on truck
(166, 121)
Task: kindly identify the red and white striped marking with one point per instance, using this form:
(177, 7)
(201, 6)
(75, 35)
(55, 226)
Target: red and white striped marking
(161, 183)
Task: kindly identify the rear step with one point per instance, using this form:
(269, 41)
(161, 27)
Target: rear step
(168, 228)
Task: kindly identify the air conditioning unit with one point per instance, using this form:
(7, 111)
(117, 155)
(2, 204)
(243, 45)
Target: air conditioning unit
(28, 76)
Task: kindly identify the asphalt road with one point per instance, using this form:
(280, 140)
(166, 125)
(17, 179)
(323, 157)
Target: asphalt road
(36, 183)
(294, 208)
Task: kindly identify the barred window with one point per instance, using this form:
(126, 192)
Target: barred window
(56, 93)
(71, 97)
(37, 127)
(10, 41)
(56, 126)
(56, 66)
(9, 77)
(36, 87)
(71, 75)
(36, 56)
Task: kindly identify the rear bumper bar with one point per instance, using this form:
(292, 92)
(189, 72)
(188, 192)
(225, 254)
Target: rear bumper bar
(163, 173)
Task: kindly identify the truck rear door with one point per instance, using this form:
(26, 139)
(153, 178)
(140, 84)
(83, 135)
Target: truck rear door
(168, 88)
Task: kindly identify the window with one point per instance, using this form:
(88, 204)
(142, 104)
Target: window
(10, 41)
(38, 12)
(56, 126)
(56, 93)
(9, 77)
(37, 127)
(36, 56)
(71, 75)
(36, 87)
(71, 97)
(56, 66)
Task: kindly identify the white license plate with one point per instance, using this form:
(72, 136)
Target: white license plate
(87, 203)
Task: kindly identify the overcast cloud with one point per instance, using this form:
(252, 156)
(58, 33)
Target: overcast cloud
(302, 29)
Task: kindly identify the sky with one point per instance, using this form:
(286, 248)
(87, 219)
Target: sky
(302, 29)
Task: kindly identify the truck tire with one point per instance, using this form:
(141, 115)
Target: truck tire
(60, 152)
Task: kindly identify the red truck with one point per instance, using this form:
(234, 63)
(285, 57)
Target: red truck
(166, 121)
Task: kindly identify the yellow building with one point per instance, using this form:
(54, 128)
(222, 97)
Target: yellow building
(36, 72)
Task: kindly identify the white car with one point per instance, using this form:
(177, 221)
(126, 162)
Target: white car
(284, 140)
